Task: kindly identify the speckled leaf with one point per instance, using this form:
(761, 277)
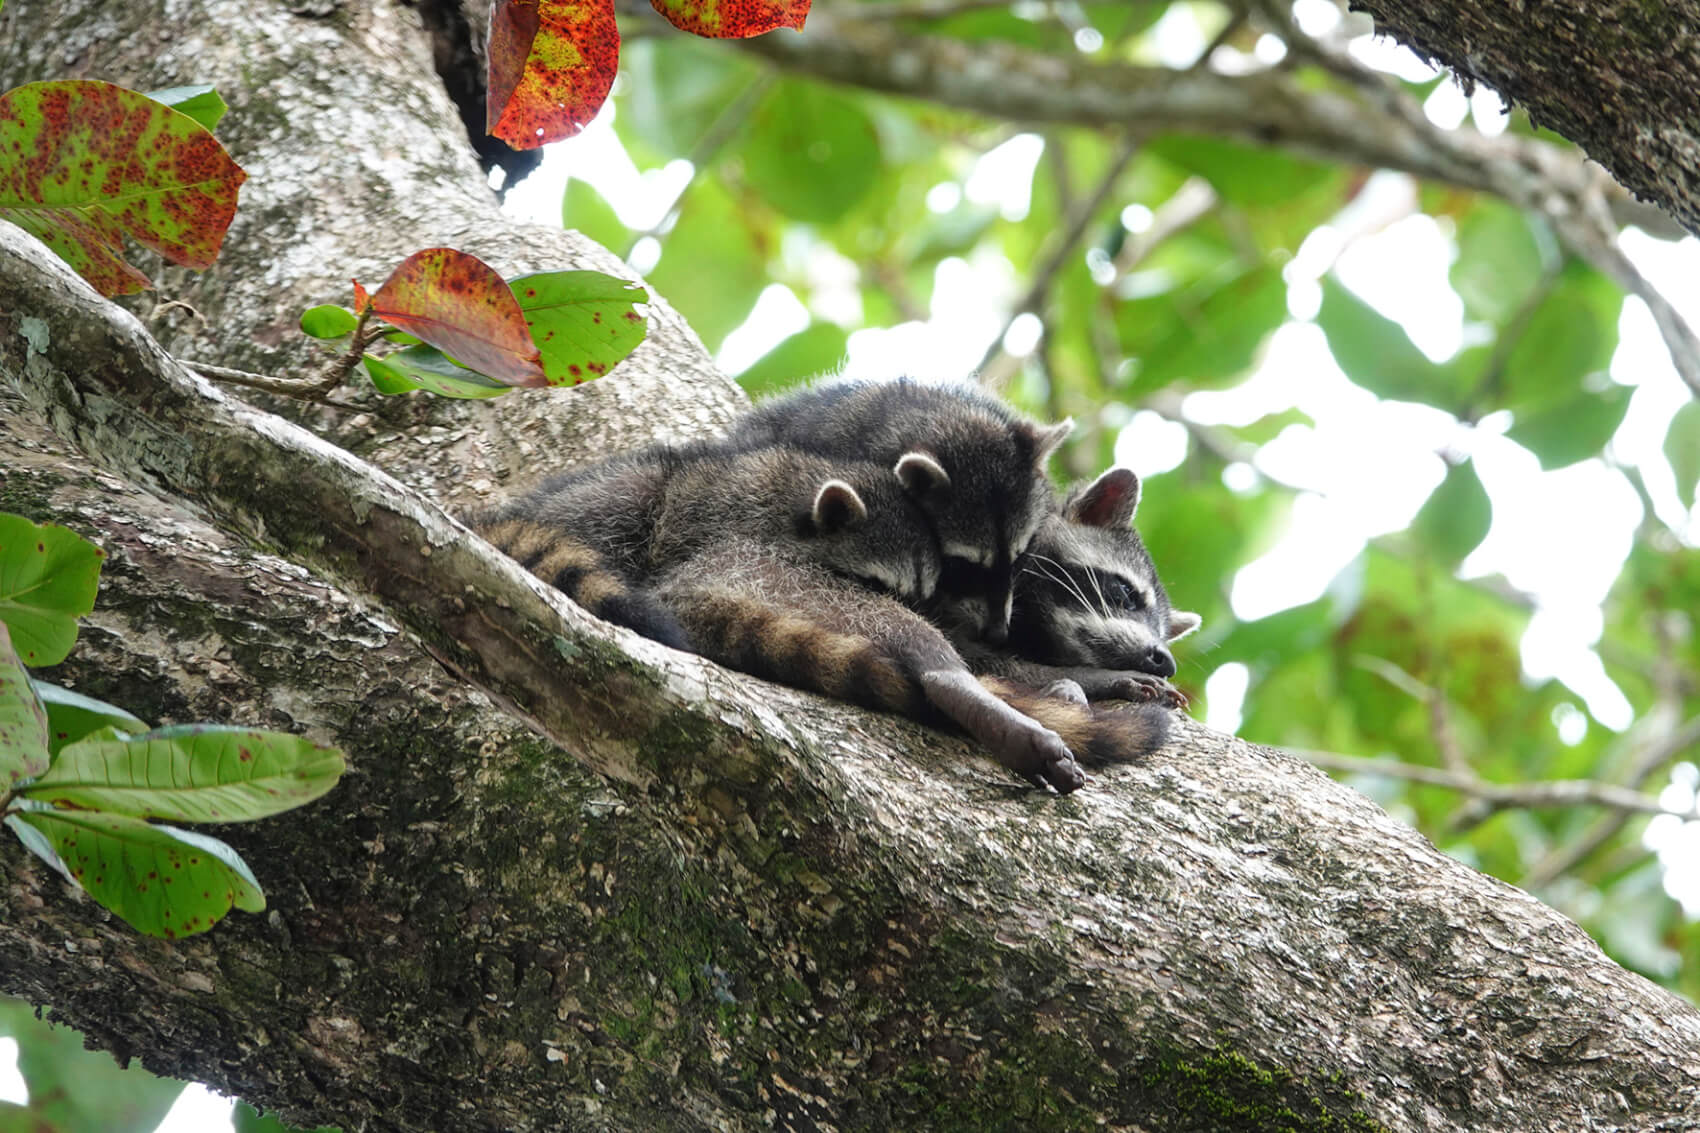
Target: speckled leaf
(732, 19)
(328, 321)
(88, 162)
(48, 578)
(199, 101)
(583, 322)
(552, 63)
(420, 367)
(361, 299)
(458, 304)
(163, 881)
(71, 716)
(190, 773)
(23, 721)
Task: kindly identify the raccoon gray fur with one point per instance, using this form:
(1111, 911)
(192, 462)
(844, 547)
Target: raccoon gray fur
(760, 608)
(995, 493)
(758, 559)
(604, 534)
(1089, 607)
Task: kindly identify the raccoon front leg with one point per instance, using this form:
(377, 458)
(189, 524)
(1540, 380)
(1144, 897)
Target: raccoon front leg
(1093, 683)
(1021, 743)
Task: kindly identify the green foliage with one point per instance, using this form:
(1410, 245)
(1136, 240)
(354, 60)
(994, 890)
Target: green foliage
(79, 787)
(1456, 517)
(48, 578)
(72, 1090)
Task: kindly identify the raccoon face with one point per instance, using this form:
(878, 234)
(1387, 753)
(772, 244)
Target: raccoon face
(992, 500)
(1087, 593)
(872, 531)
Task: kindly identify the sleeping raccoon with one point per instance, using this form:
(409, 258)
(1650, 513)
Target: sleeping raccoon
(756, 558)
(1089, 607)
(994, 493)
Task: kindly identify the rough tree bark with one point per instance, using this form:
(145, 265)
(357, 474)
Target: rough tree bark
(698, 900)
(1615, 77)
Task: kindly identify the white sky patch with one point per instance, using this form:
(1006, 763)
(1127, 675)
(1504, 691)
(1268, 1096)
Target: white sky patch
(778, 314)
(1401, 271)
(1383, 54)
(198, 1110)
(1446, 106)
(1022, 337)
(1003, 176)
(1487, 108)
(1316, 17)
(1318, 545)
(1151, 444)
(1676, 842)
(1177, 38)
(12, 1086)
(1224, 697)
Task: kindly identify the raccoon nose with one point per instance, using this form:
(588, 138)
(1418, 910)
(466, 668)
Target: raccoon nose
(1157, 661)
(997, 631)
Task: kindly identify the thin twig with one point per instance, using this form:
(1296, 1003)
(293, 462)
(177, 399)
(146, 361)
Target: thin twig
(1063, 247)
(1502, 796)
(316, 389)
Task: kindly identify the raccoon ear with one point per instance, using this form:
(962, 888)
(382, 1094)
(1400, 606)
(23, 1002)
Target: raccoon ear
(838, 508)
(1182, 622)
(1047, 438)
(922, 476)
(1109, 501)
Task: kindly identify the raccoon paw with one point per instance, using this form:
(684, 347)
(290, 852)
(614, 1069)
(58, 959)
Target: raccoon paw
(1039, 756)
(1145, 687)
(1066, 689)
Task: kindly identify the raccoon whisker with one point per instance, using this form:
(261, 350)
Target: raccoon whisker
(1054, 571)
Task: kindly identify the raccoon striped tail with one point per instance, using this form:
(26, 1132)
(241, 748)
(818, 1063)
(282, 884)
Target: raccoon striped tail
(1096, 736)
(580, 571)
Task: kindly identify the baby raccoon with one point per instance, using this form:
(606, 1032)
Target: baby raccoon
(994, 491)
(1089, 606)
(753, 558)
(604, 534)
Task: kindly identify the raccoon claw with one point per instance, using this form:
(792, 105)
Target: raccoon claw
(1149, 688)
(1055, 763)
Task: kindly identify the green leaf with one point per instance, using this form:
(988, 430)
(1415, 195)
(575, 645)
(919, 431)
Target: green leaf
(71, 716)
(1377, 354)
(24, 751)
(583, 208)
(1573, 429)
(199, 101)
(712, 229)
(328, 321)
(90, 163)
(810, 151)
(190, 773)
(584, 323)
(816, 349)
(1456, 517)
(1243, 174)
(244, 1118)
(163, 881)
(1682, 449)
(1499, 261)
(427, 368)
(73, 1090)
(1206, 336)
(1570, 336)
(48, 578)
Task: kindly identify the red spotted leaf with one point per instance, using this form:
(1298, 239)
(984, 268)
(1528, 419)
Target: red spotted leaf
(552, 63)
(361, 299)
(84, 163)
(458, 304)
(732, 19)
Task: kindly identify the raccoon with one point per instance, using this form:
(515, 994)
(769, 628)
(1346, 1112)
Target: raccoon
(1089, 607)
(763, 609)
(994, 494)
(603, 534)
(762, 559)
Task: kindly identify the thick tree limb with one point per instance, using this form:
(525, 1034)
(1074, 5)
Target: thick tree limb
(793, 919)
(1616, 78)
